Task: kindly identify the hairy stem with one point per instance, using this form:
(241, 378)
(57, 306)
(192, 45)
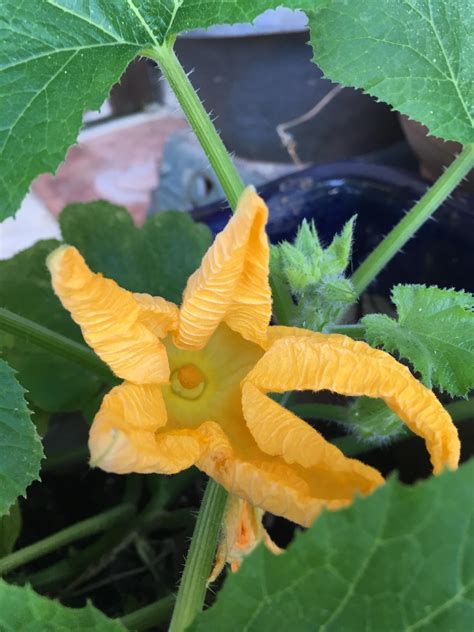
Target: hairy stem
(192, 588)
(200, 121)
(51, 341)
(414, 219)
(80, 530)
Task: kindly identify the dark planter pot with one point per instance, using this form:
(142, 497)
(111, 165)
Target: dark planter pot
(254, 82)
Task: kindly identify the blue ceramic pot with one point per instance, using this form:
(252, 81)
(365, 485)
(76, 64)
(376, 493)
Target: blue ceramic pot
(440, 254)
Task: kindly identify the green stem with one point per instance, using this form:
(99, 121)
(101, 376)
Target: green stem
(283, 305)
(51, 341)
(414, 219)
(80, 530)
(200, 121)
(149, 616)
(192, 588)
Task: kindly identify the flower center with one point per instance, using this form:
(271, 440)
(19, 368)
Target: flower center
(188, 381)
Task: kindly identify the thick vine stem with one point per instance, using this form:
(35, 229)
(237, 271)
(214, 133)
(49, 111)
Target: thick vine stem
(51, 341)
(77, 531)
(192, 588)
(414, 219)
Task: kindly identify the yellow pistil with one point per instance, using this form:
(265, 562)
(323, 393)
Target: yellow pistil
(188, 381)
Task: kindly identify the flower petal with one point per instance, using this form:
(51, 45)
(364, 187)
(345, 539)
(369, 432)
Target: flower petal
(280, 433)
(232, 283)
(123, 328)
(299, 494)
(342, 365)
(129, 434)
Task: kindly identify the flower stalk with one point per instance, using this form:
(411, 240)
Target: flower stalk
(193, 585)
(200, 121)
(83, 529)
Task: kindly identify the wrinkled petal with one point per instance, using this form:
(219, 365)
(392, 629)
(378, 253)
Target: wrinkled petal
(342, 365)
(232, 283)
(129, 434)
(157, 314)
(266, 481)
(242, 531)
(123, 328)
(280, 433)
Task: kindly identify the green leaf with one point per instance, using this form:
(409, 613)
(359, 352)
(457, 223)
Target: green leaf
(20, 446)
(25, 288)
(398, 560)
(434, 332)
(10, 529)
(373, 421)
(416, 55)
(22, 609)
(57, 59)
(157, 258)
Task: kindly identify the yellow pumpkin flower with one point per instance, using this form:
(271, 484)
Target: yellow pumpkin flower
(196, 380)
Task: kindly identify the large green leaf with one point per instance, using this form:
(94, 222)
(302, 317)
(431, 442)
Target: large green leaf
(23, 610)
(20, 446)
(414, 54)
(157, 258)
(399, 560)
(53, 383)
(434, 331)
